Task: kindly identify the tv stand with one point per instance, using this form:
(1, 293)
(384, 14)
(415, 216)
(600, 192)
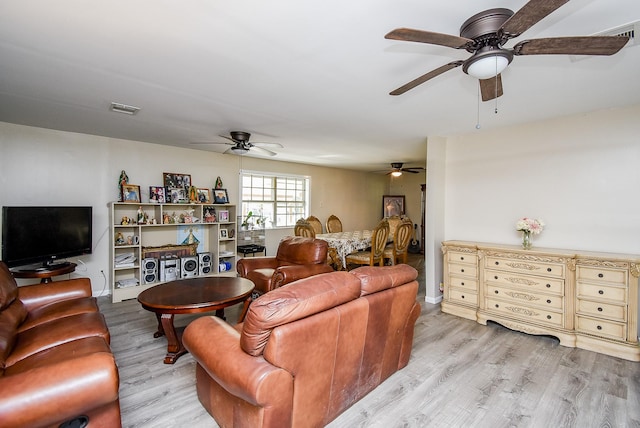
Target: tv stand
(45, 273)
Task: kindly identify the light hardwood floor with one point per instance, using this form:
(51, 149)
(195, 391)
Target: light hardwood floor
(461, 374)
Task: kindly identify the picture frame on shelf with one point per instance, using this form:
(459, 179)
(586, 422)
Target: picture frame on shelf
(204, 196)
(220, 196)
(392, 205)
(174, 180)
(223, 234)
(223, 215)
(131, 193)
(177, 195)
(157, 195)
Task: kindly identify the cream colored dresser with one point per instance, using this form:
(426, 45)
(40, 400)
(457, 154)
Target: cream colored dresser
(587, 300)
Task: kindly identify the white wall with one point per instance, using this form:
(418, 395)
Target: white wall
(580, 174)
(45, 167)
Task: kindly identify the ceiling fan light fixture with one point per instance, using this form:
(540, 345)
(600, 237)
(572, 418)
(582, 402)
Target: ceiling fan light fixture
(396, 173)
(488, 62)
(239, 150)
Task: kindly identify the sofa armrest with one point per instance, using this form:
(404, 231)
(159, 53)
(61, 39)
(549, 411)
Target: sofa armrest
(43, 396)
(36, 295)
(286, 274)
(215, 345)
(246, 265)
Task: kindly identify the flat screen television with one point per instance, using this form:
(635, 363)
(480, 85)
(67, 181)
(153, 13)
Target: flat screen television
(45, 235)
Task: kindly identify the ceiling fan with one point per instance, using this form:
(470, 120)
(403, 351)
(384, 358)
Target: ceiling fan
(484, 35)
(397, 169)
(240, 144)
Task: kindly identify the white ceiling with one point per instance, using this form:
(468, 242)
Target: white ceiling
(311, 75)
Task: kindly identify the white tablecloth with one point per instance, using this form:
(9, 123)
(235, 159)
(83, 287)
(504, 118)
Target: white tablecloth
(345, 243)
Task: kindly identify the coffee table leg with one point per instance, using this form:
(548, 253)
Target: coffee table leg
(174, 344)
(160, 331)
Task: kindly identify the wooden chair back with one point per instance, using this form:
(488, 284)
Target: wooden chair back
(304, 228)
(401, 241)
(379, 239)
(334, 225)
(315, 223)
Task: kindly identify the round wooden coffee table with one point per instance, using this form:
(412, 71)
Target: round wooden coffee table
(189, 296)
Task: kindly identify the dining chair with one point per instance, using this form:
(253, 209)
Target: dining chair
(315, 223)
(394, 222)
(374, 256)
(304, 228)
(398, 249)
(334, 225)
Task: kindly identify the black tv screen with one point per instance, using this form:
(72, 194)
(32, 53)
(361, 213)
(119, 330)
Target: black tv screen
(45, 234)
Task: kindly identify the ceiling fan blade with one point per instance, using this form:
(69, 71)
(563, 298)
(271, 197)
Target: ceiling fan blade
(411, 35)
(585, 45)
(261, 150)
(211, 142)
(491, 88)
(529, 15)
(268, 145)
(410, 170)
(430, 75)
(228, 138)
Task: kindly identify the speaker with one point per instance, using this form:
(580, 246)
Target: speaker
(169, 269)
(189, 266)
(149, 270)
(204, 263)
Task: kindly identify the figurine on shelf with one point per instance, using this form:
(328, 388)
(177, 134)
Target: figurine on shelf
(119, 239)
(218, 183)
(193, 194)
(166, 219)
(124, 179)
(140, 216)
(124, 221)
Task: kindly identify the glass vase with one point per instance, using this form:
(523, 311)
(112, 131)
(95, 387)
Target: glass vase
(526, 239)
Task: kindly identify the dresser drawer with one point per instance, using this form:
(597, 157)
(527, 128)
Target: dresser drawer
(460, 296)
(524, 313)
(602, 292)
(530, 283)
(524, 298)
(524, 266)
(462, 282)
(604, 310)
(601, 328)
(596, 274)
(462, 269)
(460, 257)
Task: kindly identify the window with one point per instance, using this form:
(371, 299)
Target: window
(274, 200)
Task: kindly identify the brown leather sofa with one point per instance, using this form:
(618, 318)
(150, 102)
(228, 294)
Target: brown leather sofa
(306, 351)
(56, 365)
(297, 258)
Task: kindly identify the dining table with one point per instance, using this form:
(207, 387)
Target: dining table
(341, 244)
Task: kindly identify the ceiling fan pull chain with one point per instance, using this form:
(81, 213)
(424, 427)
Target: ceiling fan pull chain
(478, 101)
(496, 110)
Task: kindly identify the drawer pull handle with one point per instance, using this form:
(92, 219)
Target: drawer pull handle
(600, 291)
(600, 275)
(599, 327)
(462, 270)
(599, 309)
(548, 301)
(548, 269)
(495, 291)
(497, 263)
(462, 283)
(548, 317)
(461, 258)
(497, 305)
(495, 277)
(548, 285)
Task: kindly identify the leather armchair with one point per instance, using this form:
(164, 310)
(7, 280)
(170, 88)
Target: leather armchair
(297, 258)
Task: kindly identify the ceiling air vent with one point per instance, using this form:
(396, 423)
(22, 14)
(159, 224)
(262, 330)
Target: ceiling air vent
(123, 108)
(628, 30)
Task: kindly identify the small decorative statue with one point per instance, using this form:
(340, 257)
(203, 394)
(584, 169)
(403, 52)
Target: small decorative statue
(124, 179)
(218, 183)
(125, 220)
(140, 216)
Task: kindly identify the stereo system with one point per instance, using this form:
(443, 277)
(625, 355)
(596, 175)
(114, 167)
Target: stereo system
(189, 266)
(172, 268)
(204, 263)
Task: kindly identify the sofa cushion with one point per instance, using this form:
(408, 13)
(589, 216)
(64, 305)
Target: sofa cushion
(298, 250)
(57, 310)
(374, 279)
(294, 301)
(57, 332)
(8, 287)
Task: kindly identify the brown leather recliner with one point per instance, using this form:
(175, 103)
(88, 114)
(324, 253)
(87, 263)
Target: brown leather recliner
(56, 365)
(297, 258)
(307, 351)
